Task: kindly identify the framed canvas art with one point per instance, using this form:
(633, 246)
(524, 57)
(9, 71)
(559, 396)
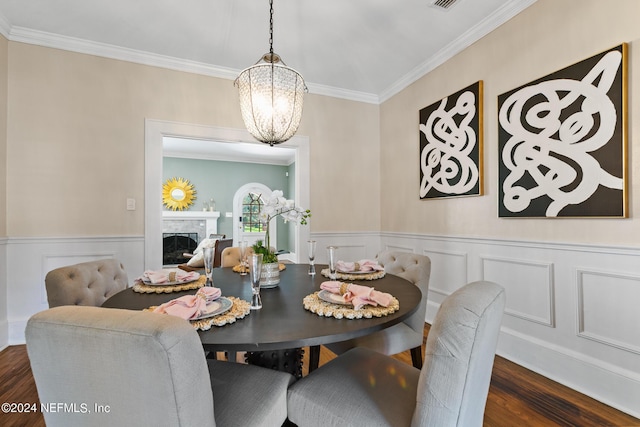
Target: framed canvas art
(451, 145)
(563, 142)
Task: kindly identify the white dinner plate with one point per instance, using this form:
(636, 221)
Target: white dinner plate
(215, 308)
(327, 296)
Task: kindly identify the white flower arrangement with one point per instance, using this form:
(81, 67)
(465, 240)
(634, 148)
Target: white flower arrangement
(275, 206)
(278, 205)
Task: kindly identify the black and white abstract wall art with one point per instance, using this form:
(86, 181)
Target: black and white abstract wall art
(562, 142)
(451, 145)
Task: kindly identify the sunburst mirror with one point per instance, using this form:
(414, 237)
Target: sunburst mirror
(178, 193)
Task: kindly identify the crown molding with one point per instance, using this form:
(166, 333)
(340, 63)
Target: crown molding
(5, 27)
(72, 44)
(484, 27)
(335, 92)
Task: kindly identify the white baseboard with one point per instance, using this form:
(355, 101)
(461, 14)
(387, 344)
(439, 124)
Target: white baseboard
(4, 334)
(598, 379)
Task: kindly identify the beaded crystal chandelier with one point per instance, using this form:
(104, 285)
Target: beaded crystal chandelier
(271, 96)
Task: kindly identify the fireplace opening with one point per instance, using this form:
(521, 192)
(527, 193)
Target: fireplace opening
(174, 245)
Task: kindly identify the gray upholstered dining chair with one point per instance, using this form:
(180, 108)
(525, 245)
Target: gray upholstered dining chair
(365, 388)
(409, 334)
(135, 368)
(87, 283)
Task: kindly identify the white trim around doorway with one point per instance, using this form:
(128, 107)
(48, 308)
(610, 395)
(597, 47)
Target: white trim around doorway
(156, 130)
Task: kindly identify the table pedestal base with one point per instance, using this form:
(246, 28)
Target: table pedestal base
(289, 360)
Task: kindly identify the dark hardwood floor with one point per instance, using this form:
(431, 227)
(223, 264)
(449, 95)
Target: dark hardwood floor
(517, 396)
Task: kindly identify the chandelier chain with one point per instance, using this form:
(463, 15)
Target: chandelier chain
(271, 27)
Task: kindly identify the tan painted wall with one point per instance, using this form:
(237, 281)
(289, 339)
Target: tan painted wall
(76, 143)
(544, 38)
(3, 135)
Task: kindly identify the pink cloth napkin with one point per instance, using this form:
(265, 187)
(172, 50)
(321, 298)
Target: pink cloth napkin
(362, 265)
(190, 306)
(159, 277)
(358, 295)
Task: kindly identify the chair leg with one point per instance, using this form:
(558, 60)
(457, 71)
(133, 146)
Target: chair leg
(314, 357)
(416, 357)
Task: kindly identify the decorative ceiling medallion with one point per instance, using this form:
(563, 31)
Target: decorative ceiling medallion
(178, 193)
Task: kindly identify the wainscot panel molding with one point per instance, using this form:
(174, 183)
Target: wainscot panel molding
(351, 246)
(28, 260)
(571, 312)
(4, 303)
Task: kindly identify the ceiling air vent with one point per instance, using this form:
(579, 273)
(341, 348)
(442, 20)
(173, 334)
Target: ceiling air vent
(442, 4)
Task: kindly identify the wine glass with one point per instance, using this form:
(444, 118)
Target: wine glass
(208, 265)
(332, 261)
(312, 257)
(243, 258)
(255, 268)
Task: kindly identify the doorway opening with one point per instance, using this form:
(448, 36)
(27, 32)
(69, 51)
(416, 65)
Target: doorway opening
(157, 130)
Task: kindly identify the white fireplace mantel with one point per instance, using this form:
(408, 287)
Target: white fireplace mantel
(210, 218)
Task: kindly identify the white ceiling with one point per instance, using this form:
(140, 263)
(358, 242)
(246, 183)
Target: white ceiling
(365, 50)
(228, 151)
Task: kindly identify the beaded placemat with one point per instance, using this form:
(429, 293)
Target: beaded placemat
(346, 276)
(167, 289)
(323, 308)
(239, 310)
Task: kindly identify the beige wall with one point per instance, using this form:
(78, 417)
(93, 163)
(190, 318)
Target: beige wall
(75, 134)
(3, 135)
(345, 164)
(76, 143)
(547, 36)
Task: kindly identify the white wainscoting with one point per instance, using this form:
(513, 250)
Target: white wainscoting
(571, 311)
(28, 260)
(4, 324)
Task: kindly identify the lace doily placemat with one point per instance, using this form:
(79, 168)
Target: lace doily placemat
(323, 308)
(346, 276)
(239, 310)
(160, 289)
(238, 268)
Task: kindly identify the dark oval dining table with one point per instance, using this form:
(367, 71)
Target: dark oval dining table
(283, 322)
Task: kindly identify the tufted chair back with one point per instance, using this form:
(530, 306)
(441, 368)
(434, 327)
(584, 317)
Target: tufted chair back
(409, 334)
(88, 283)
(231, 256)
(416, 269)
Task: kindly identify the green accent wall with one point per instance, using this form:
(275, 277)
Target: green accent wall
(219, 180)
